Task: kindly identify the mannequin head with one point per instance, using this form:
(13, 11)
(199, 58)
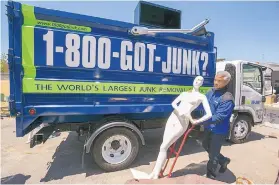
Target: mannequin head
(198, 82)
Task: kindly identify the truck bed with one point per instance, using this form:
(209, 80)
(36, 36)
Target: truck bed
(66, 67)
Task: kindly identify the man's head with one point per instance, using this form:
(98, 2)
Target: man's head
(222, 78)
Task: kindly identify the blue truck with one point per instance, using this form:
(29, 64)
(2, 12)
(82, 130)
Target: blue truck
(105, 79)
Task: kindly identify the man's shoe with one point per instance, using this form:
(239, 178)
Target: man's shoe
(224, 166)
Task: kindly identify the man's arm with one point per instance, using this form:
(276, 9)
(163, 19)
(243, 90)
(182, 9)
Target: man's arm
(223, 111)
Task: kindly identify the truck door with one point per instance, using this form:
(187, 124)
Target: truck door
(252, 90)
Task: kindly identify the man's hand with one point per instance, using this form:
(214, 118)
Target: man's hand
(212, 125)
(193, 121)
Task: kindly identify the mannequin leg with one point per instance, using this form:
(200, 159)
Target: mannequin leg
(173, 130)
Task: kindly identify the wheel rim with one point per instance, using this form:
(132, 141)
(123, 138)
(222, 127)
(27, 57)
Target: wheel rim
(116, 149)
(241, 129)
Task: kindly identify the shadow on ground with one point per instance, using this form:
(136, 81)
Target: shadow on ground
(200, 169)
(254, 136)
(15, 179)
(67, 160)
(150, 152)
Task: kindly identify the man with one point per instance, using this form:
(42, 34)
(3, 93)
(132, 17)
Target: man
(217, 128)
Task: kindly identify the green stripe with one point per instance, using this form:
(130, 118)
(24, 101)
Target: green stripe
(30, 20)
(28, 42)
(60, 87)
(28, 15)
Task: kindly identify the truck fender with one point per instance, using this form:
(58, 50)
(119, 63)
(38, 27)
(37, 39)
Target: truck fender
(91, 139)
(249, 111)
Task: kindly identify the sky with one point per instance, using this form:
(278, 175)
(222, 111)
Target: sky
(243, 30)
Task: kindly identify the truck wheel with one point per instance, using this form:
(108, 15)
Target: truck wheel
(241, 129)
(115, 149)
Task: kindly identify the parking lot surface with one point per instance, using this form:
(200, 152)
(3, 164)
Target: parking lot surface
(59, 159)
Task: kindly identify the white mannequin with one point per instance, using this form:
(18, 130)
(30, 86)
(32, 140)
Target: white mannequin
(178, 123)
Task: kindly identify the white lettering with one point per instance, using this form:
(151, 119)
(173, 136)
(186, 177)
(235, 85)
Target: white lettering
(72, 52)
(139, 56)
(104, 53)
(195, 63)
(204, 57)
(99, 54)
(49, 47)
(126, 60)
(151, 48)
(166, 66)
(176, 59)
(187, 56)
(89, 48)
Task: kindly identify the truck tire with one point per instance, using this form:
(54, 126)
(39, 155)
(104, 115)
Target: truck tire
(241, 129)
(115, 149)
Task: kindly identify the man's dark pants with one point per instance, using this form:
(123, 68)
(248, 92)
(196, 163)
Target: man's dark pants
(212, 143)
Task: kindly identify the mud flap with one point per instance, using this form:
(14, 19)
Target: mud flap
(40, 134)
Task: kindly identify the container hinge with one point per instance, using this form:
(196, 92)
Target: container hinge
(12, 106)
(139, 30)
(11, 11)
(11, 59)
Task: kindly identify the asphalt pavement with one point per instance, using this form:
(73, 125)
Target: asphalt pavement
(59, 159)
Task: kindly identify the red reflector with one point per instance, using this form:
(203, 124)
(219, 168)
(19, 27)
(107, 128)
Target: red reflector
(32, 111)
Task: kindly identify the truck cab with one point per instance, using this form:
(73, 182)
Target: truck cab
(248, 88)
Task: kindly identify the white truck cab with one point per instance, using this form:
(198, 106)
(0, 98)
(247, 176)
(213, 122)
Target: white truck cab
(247, 87)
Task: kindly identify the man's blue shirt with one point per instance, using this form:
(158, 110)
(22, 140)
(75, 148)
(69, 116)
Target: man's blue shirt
(222, 105)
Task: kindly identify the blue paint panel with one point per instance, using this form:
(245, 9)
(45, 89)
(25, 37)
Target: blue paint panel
(59, 38)
(60, 108)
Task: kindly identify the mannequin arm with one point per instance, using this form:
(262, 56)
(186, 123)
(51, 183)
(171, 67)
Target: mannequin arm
(175, 102)
(199, 111)
(208, 113)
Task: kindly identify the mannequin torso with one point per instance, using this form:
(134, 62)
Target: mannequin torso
(189, 102)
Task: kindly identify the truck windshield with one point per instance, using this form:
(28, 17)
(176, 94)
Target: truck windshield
(252, 77)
